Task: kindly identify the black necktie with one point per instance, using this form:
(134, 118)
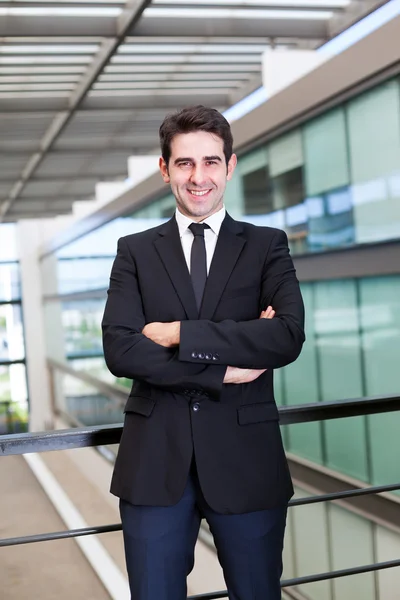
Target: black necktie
(198, 261)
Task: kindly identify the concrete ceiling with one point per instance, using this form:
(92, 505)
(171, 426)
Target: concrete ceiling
(85, 84)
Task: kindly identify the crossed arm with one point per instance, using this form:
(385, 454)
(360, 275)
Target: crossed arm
(132, 349)
(168, 336)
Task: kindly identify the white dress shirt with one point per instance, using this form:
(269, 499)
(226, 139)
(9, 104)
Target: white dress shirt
(210, 235)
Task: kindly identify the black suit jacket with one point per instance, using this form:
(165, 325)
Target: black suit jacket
(178, 404)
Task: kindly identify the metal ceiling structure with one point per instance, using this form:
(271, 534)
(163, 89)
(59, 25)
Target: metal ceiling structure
(85, 83)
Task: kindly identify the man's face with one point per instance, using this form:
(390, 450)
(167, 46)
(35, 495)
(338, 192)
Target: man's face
(197, 173)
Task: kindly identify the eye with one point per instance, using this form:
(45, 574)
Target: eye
(211, 162)
(184, 165)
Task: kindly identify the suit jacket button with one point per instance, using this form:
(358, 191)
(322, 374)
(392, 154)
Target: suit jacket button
(215, 356)
(208, 356)
(196, 407)
(195, 355)
(201, 355)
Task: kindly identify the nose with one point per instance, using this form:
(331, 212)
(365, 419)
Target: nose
(198, 175)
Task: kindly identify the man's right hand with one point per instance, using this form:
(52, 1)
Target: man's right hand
(235, 374)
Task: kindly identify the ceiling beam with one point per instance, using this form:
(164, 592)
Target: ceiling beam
(104, 27)
(125, 23)
(163, 101)
(76, 150)
(103, 176)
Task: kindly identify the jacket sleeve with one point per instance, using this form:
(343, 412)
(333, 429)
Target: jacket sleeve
(128, 353)
(259, 343)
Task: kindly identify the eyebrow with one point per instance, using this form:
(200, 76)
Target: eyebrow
(205, 158)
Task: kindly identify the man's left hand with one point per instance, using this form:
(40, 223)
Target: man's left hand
(165, 334)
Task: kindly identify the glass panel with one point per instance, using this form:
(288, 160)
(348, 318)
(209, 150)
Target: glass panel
(97, 367)
(340, 372)
(10, 287)
(84, 274)
(13, 384)
(325, 150)
(310, 530)
(289, 559)
(330, 220)
(380, 315)
(11, 333)
(257, 192)
(8, 242)
(285, 153)
(85, 264)
(273, 194)
(388, 548)
(233, 198)
(351, 546)
(87, 405)
(374, 138)
(301, 387)
(254, 160)
(82, 327)
(14, 416)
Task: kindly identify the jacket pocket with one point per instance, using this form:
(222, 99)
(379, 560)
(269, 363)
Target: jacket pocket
(257, 413)
(139, 404)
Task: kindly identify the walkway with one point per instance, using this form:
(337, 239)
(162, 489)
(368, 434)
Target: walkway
(43, 571)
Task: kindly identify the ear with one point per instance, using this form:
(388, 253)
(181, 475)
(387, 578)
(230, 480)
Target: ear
(164, 170)
(231, 166)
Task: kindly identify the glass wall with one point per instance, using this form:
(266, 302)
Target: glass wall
(352, 350)
(13, 388)
(327, 537)
(333, 182)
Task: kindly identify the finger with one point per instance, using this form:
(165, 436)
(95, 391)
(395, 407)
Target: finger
(269, 313)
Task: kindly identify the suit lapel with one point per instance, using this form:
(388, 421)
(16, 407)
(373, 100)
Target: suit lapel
(169, 248)
(228, 249)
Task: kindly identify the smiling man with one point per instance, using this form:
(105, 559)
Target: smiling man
(200, 311)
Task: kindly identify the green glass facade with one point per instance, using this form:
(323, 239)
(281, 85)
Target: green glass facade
(326, 537)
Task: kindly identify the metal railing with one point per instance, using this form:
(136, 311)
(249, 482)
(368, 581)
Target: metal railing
(96, 436)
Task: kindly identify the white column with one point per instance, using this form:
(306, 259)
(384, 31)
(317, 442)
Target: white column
(29, 240)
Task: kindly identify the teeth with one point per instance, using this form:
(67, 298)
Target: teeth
(202, 193)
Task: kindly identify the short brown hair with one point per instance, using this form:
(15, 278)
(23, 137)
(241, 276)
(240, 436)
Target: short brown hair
(195, 118)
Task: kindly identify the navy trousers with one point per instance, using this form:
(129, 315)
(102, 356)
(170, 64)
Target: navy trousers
(159, 548)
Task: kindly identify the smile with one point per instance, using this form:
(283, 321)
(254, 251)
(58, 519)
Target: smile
(199, 192)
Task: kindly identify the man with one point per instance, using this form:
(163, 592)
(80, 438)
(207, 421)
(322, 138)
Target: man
(201, 435)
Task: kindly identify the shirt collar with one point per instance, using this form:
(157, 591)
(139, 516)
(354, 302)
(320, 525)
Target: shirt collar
(214, 221)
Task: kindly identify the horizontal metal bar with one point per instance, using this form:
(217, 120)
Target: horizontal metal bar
(322, 411)
(9, 363)
(345, 494)
(13, 301)
(58, 535)
(312, 578)
(213, 595)
(64, 439)
(341, 573)
(23, 443)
